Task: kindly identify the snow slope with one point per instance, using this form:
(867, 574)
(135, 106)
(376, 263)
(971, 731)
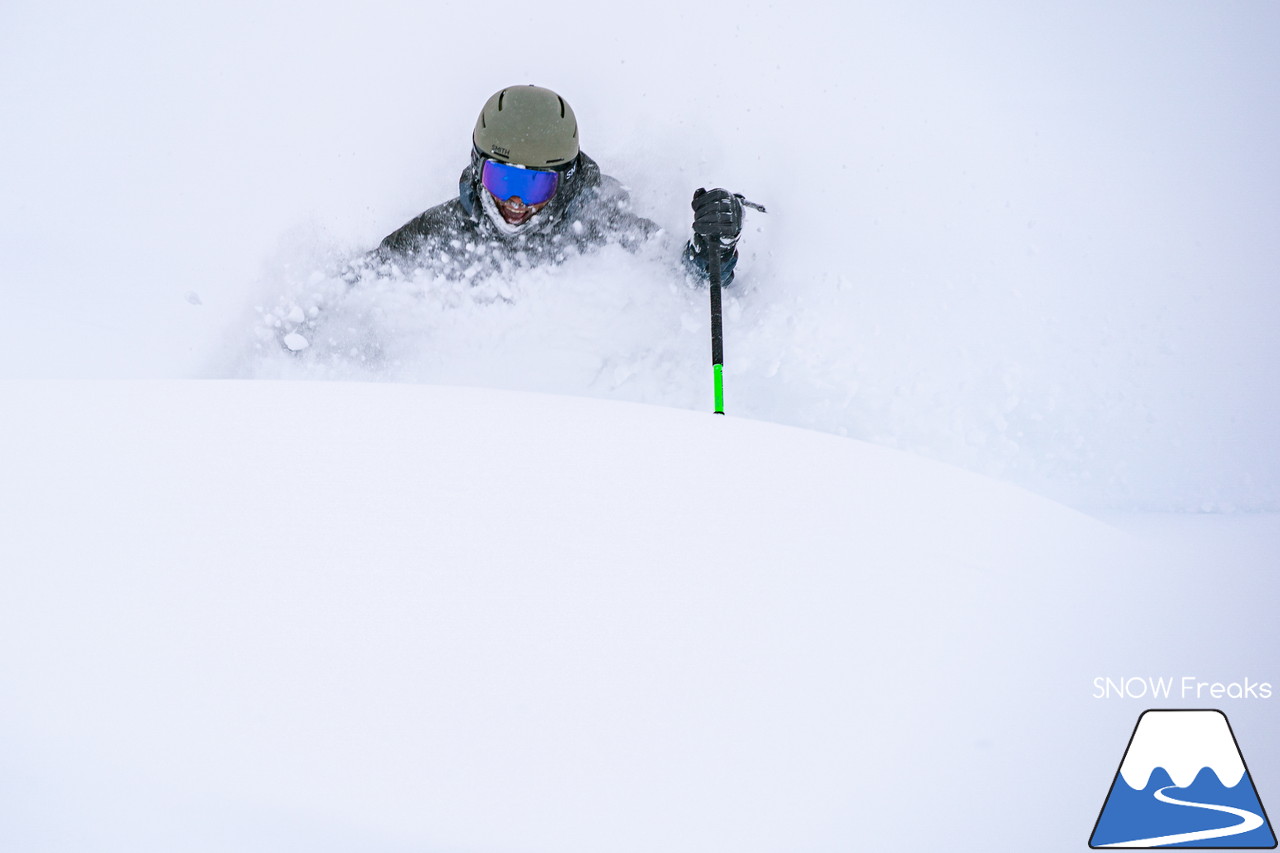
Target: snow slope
(263, 616)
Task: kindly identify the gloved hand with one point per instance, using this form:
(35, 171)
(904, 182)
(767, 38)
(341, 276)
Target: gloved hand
(717, 213)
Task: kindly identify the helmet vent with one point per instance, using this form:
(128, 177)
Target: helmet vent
(561, 106)
(500, 97)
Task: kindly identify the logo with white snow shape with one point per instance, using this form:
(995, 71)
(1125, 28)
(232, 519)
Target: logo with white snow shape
(1183, 783)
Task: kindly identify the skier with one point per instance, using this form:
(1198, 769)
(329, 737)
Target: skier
(530, 195)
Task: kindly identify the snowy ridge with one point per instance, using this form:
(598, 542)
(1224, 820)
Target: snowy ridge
(375, 617)
(494, 620)
(1183, 743)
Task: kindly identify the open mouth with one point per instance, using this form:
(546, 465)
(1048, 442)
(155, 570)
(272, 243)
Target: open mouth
(516, 212)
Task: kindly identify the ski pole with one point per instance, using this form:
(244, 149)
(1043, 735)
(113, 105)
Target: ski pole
(717, 324)
(717, 321)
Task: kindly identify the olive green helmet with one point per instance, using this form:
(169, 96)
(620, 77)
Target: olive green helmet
(529, 126)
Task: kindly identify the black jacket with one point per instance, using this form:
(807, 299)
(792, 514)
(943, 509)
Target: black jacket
(457, 239)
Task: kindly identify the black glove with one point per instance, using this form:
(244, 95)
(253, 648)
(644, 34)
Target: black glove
(717, 213)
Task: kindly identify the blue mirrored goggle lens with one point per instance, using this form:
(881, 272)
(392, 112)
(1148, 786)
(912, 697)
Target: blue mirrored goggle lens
(506, 182)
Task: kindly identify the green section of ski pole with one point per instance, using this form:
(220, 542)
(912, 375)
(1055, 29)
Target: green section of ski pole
(719, 378)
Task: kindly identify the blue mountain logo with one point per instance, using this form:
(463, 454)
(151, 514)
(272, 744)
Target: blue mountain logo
(1183, 783)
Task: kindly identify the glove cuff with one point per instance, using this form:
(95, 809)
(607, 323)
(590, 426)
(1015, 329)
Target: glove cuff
(726, 244)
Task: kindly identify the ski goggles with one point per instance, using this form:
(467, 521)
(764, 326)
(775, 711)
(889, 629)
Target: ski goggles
(505, 181)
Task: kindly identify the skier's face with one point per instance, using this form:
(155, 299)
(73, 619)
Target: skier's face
(519, 192)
